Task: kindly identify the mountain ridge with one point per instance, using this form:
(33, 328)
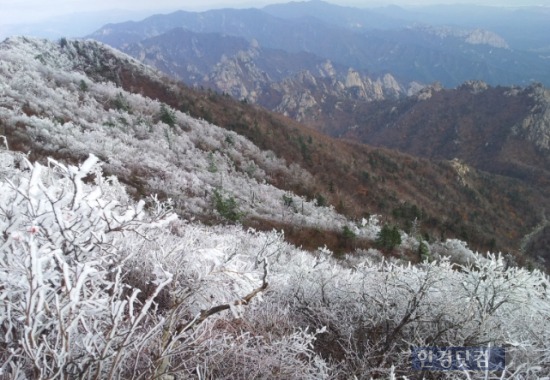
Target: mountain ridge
(269, 77)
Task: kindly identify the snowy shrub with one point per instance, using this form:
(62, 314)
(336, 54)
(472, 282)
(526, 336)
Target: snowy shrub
(97, 286)
(65, 309)
(374, 313)
(456, 250)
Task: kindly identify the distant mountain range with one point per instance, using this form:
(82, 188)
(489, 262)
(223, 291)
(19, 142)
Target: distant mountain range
(295, 84)
(421, 45)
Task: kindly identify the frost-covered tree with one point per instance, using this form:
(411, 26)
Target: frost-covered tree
(375, 313)
(97, 286)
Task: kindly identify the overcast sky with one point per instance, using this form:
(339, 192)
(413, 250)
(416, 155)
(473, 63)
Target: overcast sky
(29, 11)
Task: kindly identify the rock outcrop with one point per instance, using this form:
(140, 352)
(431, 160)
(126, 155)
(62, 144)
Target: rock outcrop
(536, 126)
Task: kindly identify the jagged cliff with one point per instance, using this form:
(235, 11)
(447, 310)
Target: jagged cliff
(536, 125)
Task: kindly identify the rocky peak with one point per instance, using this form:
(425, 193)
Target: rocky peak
(353, 79)
(428, 91)
(301, 95)
(327, 70)
(475, 86)
(307, 79)
(391, 86)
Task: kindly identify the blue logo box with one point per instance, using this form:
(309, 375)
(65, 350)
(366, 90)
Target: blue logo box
(458, 358)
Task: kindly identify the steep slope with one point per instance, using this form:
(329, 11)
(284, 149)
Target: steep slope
(97, 282)
(100, 279)
(486, 209)
(52, 107)
(504, 131)
(76, 97)
(500, 130)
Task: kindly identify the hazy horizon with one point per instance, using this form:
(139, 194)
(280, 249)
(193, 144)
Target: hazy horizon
(77, 18)
(17, 12)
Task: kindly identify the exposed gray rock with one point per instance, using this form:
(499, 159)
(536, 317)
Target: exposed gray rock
(427, 92)
(475, 86)
(303, 94)
(536, 126)
(300, 85)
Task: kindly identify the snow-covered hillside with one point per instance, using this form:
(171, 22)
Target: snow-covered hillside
(45, 91)
(96, 284)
